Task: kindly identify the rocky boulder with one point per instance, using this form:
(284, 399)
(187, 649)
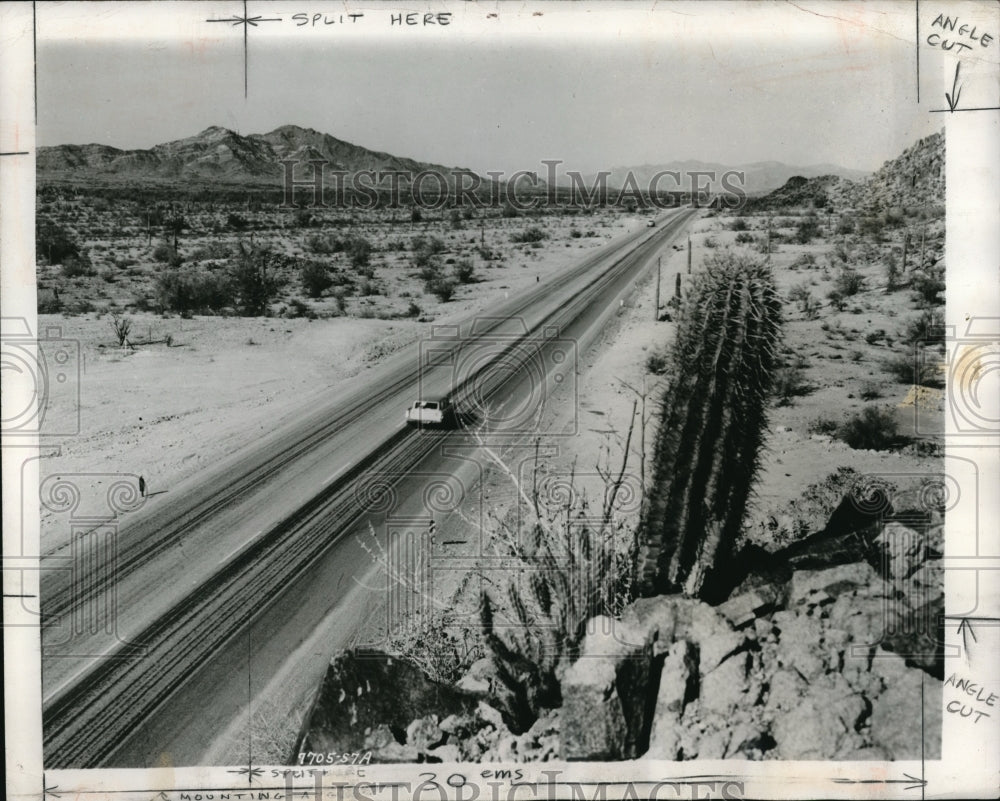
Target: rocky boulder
(605, 694)
(387, 701)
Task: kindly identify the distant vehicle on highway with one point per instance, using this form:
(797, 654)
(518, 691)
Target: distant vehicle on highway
(650, 223)
(430, 411)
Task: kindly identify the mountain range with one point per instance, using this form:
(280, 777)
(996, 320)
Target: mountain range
(223, 156)
(758, 177)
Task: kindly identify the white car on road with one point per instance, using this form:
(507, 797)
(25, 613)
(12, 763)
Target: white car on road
(429, 411)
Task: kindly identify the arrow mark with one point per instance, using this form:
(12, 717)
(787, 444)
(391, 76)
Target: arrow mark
(956, 90)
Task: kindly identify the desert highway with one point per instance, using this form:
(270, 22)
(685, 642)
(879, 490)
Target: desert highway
(259, 546)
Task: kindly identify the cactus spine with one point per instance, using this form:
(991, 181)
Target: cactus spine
(711, 427)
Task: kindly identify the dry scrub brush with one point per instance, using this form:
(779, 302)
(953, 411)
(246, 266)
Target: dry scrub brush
(571, 560)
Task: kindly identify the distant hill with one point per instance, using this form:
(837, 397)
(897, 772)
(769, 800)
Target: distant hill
(913, 179)
(759, 177)
(799, 191)
(221, 155)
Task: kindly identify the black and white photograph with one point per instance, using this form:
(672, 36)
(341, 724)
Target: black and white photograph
(494, 400)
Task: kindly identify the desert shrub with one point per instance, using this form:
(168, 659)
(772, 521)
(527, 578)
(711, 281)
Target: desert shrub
(324, 244)
(806, 260)
(710, 242)
(426, 255)
(657, 363)
(872, 226)
(894, 217)
(253, 273)
(919, 367)
(823, 425)
(849, 282)
(464, 271)
(807, 230)
(49, 303)
(429, 245)
(841, 252)
(874, 429)
(299, 308)
(440, 645)
(573, 561)
(188, 290)
(529, 235)
(430, 271)
(872, 337)
(304, 218)
(745, 238)
(234, 222)
(415, 215)
(870, 391)
(82, 306)
(928, 284)
(212, 250)
(175, 224)
(53, 242)
(315, 277)
(836, 299)
(359, 251)
(77, 266)
(165, 253)
(927, 328)
(807, 304)
(891, 273)
(575, 233)
(122, 327)
(442, 288)
(845, 225)
(739, 224)
(413, 310)
(789, 383)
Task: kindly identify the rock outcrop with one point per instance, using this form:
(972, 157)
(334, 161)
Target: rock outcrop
(814, 663)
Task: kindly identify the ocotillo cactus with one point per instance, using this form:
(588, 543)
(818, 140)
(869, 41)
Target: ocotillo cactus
(711, 428)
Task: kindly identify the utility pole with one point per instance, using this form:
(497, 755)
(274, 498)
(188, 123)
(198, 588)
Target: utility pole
(677, 286)
(656, 309)
(906, 242)
(689, 254)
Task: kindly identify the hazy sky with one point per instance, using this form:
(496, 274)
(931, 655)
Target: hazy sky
(727, 82)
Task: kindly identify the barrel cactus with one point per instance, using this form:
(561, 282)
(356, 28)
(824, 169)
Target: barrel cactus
(711, 428)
